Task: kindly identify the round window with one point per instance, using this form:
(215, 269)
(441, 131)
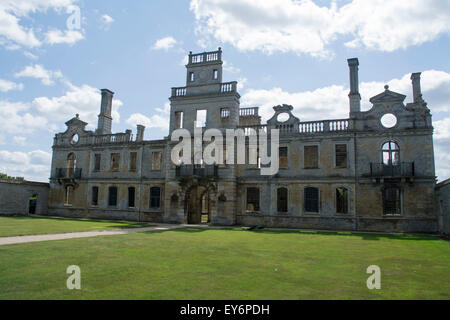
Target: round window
(283, 117)
(75, 138)
(389, 120)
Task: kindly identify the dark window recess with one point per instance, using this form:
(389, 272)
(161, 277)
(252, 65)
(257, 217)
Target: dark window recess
(133, 158)
(131, 197)
(282, 200)
(311, 199)
(155, 197)
(32, 204)
(252, 199)
(95, 196)
(112, 197)
(341, 156)
(283, 157)
(341, 200)
(98, 160)
(391, 200)
(311, 157)
(115, 161)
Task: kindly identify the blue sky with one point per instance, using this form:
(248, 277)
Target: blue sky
(280, 51)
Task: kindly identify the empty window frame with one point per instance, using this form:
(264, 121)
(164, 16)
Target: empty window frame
(191, 76)
(133, 159)
(311, 157)
(68, 199)
(283, 157)
(155, 198)
(178, 119)
(215, 74)
(94, 200)
(115, 161)
(156, 160)
(252, 199)
(112, 196)
(392, 201)
(97, 161)
(311, 196)
(391, 153)
(201, 118)
(282, 199)
(131, 197)
(341, 200)
(341, 155)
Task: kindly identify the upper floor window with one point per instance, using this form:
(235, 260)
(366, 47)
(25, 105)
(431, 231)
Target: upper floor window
(215, 74)
(391, 153)
(282, 200)
(71, 162)
(133, 159)
(341, 155)
(201, 118)
(311, 199)
(178, 119)
(191, 76)
(115, 161)
(224, 113)
(283, 157)
(311, 157)
(156, 160)
(97, 162)
(341, 200)
(252, 199)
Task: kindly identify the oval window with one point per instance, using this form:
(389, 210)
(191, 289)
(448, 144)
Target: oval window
(283, 117)
(389, 120)
(75, 138)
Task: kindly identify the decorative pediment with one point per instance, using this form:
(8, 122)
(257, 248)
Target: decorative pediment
(76, 123)
(283, 109)
(387, 96)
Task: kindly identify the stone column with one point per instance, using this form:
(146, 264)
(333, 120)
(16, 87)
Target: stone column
(354, 96)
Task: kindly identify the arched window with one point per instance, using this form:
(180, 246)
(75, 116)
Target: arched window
(391, 153)
(311, 199)
(341, 200)
(71, 164)
(282, 199)
(155, 197)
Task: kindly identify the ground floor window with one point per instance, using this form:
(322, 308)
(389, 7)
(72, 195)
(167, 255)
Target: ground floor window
(282, 199)
(341, 200)
(252, 199)
(68, 196)
(155, 197)
(112, 197)
(311, 199)
(95, 196)
(391, 200)
(131, 197)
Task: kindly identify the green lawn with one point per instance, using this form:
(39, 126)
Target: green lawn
(196, 263)
(19, 226)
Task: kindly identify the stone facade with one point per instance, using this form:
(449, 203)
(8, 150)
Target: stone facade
(443, 206)
(21, 198)
(348, 174)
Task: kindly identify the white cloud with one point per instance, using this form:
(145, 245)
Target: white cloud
(33, 165)
(21, 141)
(37, 71)
(306, 27)
(159, 121)
(6, 85)
(106, 22)
(442, 129)
(242, 82)
(165, 43)
(84, 100)
(56, 36)
(31, 56)
(229, 67)
(2, 139)
(13, 34)
(18, 117)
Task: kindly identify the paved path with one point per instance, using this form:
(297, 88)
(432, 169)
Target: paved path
(84, 234)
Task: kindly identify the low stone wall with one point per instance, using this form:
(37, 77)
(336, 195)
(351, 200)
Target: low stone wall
(443, 206)
(15, 197)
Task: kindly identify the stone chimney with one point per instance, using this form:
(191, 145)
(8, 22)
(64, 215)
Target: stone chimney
(140, 132)
(105, 118)
(354, 96)
(417, 91)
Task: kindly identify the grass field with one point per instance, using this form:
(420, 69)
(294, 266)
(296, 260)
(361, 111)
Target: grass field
(198, 263)
(20, 226)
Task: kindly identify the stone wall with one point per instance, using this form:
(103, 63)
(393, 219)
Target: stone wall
(443, 206)
(15, 197)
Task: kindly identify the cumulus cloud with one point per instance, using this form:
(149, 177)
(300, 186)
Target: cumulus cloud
(56, 36)
(159, 120)
(18, 140)
(18, 117)
(13, 34)
(33, 165)
(6, 85)
(37, 71)
(307, 27)
(106, 22)
(165, 44)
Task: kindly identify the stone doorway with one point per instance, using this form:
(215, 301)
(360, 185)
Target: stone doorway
(198, 205)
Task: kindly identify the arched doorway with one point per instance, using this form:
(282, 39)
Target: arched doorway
(198, 205)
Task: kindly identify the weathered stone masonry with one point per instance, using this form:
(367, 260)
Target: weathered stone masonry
(349, 174)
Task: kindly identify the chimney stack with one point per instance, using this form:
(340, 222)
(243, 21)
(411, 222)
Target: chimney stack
(140, 132)
(105, 118)
(354, 96)
(417, 91)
